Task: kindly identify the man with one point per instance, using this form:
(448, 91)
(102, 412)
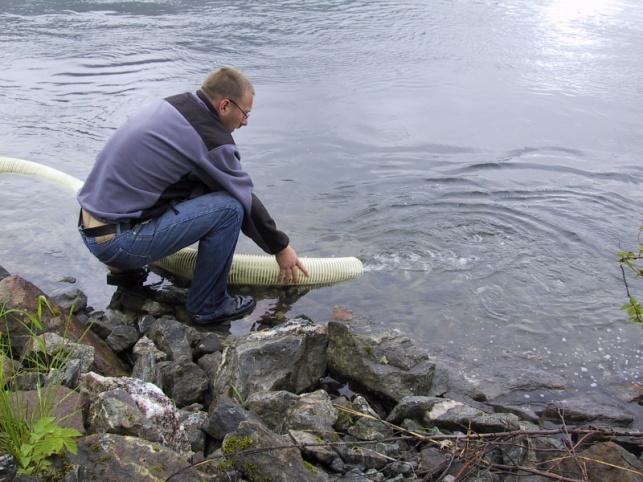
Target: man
(171, 176)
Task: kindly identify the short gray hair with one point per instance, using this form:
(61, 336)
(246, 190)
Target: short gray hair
(226, 83)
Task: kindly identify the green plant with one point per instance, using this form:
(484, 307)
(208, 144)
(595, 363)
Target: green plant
(46, 438)
(30, 433)
(631, 261)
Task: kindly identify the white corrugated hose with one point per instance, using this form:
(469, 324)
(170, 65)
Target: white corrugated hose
(256, 270)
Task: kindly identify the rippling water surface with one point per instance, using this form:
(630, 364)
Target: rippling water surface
(483, 159)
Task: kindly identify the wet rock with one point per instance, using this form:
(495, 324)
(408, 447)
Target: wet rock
(159, 422)
(320, 453)
(122, 338)
(603, 462)
(387, 364)
(171, 337)
(278, 465)
(124, 458)
(208, 344)
(452, 415)
(194, 423)
(16, 292)
(147, 358)
(156, 309)
(313, 412)
(183, 381)
(8, 464)
(70, 299)
(139, 301)
(582, 410)
(293, 358)
(224, 416)
(271, 407)
(55, 346)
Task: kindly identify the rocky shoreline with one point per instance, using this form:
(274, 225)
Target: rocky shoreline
(157, 399)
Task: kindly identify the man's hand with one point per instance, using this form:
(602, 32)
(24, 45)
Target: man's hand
(289, 265)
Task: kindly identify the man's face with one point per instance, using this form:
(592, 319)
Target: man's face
(234, 113)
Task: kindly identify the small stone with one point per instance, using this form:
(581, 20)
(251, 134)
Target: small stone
(70, 299)
(337, 465)
(8, 466)
(208, 344)
(145, 323)
(67, 279)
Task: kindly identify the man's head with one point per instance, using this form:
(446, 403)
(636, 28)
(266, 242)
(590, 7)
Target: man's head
(231, 95)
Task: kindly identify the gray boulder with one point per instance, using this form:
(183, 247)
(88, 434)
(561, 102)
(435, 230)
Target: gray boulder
(452, 415)
(107, 456)
(314, 413)
(224, 416)
(210, 364)
(67, 375)
(283, 465)
(54, 345)
(171, 337)
(603, 462)
(104, 322)
(412, 407)
(194, 423)
(291, 357)
(387, 364)
(369, 426)
(311, 447)
(183, 381)
(132, 407)
(271, 407)
(122, 338)
(582, 410)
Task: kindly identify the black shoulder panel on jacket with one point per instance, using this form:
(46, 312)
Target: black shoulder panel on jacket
(205, 122)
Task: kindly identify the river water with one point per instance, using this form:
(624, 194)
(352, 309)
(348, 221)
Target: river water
(484, 159)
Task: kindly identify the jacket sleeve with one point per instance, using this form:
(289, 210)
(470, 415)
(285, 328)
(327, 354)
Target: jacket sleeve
(261, 228)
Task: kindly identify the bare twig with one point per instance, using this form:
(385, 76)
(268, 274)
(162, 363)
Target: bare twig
(549, 475)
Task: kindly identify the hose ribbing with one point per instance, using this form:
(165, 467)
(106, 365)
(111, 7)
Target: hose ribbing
(258, 270)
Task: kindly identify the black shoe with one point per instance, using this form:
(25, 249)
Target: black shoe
(127, 279)
(232, 308)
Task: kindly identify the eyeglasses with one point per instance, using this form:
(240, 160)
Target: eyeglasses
(245, 114)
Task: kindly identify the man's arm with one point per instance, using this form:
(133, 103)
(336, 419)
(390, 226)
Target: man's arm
(261, 228)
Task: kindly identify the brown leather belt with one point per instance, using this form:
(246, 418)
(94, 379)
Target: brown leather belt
(95, 228)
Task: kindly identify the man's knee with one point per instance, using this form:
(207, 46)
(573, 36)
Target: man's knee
(228, 204)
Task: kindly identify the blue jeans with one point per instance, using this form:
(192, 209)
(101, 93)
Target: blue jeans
(214, 220)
